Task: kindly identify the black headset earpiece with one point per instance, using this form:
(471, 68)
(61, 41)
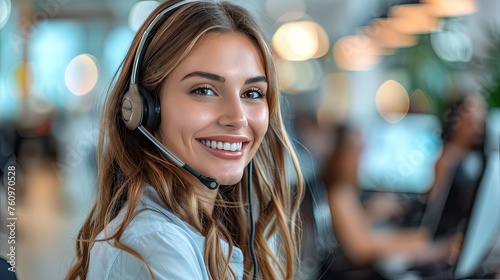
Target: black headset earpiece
(140, 107)
(151, 109)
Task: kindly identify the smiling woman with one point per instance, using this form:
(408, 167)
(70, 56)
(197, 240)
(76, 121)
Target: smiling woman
(213, 98)
(198, 95)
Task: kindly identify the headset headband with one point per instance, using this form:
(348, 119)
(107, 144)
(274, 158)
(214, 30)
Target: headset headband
(143, 44)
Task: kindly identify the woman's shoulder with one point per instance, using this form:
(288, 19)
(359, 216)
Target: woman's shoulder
(160, 240)
(151, 224)
(151, 218)
(148, 221)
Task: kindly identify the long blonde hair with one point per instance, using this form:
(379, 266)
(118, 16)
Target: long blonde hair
(127, 162)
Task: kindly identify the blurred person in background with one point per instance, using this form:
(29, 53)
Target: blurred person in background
(361, 244)
(212, 73)
(460, 167)
(463, 131)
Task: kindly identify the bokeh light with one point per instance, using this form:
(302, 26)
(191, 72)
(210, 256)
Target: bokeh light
(420, 102)
(451, 8)
(383, 32)
(356, 53)
(81, 74)
(5, 10)
(414, 19)
(453, 42)
(19, 79)
(298, 41)
(392, 101)
(139, 12)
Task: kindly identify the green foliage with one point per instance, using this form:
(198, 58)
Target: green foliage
(491, 84)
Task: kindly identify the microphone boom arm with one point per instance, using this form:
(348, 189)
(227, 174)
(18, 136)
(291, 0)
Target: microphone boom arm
(210, 183)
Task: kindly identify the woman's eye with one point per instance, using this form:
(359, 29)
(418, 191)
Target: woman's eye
(203, 91)
(253, 94)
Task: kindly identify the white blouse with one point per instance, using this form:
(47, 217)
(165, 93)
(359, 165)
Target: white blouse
(172, 248)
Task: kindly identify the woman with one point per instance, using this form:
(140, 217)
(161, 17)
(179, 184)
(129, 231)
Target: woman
(362, 244)
(212, 72)
(463, 132)
(460, 167)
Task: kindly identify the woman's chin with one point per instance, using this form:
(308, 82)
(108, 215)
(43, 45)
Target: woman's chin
(229, 179)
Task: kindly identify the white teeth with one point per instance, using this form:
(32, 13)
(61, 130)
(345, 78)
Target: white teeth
(226, 146)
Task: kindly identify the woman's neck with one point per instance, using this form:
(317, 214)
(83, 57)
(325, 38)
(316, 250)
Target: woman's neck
(206, 197)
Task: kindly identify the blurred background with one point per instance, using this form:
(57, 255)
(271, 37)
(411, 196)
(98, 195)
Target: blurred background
(389, 68)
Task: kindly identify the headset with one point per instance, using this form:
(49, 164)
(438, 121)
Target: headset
(141, 114)
(141, 109)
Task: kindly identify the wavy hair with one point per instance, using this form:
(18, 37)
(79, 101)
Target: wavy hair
(127, 162)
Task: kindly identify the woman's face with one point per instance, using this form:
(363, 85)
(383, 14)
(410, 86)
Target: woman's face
(214, 113)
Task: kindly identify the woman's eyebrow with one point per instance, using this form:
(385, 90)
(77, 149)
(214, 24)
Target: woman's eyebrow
(221, 79)
(210, 76)
(257, 79)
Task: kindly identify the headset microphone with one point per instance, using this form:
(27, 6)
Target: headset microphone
(141, 108)
(210, 183)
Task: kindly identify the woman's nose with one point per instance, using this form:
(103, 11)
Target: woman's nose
(233, 114)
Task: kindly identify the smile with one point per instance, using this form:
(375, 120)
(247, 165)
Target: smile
(226, 146)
